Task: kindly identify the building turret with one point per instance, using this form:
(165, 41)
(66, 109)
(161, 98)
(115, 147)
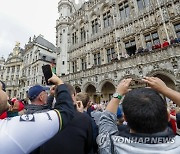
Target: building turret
(65, 9)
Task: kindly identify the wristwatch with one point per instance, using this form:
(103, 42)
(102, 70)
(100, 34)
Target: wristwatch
(117, 95)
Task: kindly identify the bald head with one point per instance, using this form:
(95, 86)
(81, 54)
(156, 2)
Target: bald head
(4, 106)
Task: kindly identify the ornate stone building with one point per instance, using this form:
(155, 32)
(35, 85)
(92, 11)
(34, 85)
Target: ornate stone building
(97, 41)
(2, 67)
(12, 71)
(23, 67)
(38, 52)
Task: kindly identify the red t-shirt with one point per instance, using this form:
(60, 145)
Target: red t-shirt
(21, 106)
(173, 122)
(3, 115)
(165, 44)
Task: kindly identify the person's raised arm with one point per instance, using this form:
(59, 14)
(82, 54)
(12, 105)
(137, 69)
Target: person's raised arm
(64, 103)
(50, 98)
(106, 120)
(157, 84)
(122, 89)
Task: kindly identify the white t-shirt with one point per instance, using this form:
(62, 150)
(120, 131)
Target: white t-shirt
(23, 134)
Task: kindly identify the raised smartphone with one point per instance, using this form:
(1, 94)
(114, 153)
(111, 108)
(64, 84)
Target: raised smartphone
(47, 73)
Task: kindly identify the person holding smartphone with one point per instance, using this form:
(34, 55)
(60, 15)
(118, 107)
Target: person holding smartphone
(22, 134)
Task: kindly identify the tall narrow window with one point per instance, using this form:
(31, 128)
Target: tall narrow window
(83, 34)
(124, 10)
(74, 66)
(8, 69)
(18, 68)
(74, 38)
(94, 26)
(107, 19)
(97, 59)
(142, 4)
(110, 54)
(13, 69)
(177, 30)
(83, 63)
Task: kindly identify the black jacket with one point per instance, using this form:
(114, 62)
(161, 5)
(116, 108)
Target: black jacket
(77, 138)
(64, 104)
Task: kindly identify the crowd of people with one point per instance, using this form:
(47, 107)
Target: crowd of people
(158, 45)
(66, 122)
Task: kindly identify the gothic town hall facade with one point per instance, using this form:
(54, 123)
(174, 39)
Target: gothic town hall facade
(101, 42)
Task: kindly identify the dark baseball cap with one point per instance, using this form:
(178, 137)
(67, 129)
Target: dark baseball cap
(35, 91)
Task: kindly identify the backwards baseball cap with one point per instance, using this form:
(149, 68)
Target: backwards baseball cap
(35, 91)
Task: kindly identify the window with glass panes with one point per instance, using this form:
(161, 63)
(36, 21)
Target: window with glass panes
(151, 39)
(97, 59)
(74, 38)
(74, 66)
(83, 34)
(8, 69)
(142, 3)
(18, 68)
(12, 77)
(94, 26)
(110, 54)
(124, 10)
(107, 19)
(29, 71)
(177, 30)
(43, 82)
(83, 64)
(130, 47)
(13, 69)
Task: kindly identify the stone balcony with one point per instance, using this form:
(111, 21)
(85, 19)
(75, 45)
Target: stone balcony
(137, 65)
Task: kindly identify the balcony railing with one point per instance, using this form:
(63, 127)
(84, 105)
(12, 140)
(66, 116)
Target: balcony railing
(131, 62)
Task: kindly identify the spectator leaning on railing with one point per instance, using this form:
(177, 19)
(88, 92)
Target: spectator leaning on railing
(22, 134)
(146, 114)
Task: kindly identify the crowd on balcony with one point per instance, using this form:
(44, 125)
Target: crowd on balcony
(156, 46)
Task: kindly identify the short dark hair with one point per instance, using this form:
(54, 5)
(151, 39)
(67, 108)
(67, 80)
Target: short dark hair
(145, 111)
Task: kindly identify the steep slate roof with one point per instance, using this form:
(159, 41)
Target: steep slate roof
(40, 40)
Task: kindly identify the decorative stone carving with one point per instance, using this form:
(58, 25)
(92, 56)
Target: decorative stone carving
(158, 17)
(155, 66)
(165, 14)
(174, 63)
(171, 11)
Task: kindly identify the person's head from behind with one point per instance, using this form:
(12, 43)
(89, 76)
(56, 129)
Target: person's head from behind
(145, 111)
(4, 105)
(38, 95)
(84, 97)
(72, 92)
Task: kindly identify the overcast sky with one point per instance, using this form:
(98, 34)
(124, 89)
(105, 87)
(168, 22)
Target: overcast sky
(21, 19)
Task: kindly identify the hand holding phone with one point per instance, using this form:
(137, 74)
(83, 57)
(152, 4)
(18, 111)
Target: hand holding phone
(47, 73)
(55, 80)
(137, 83)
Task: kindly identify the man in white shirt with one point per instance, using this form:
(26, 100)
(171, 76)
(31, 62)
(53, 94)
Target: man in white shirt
(22, 134)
